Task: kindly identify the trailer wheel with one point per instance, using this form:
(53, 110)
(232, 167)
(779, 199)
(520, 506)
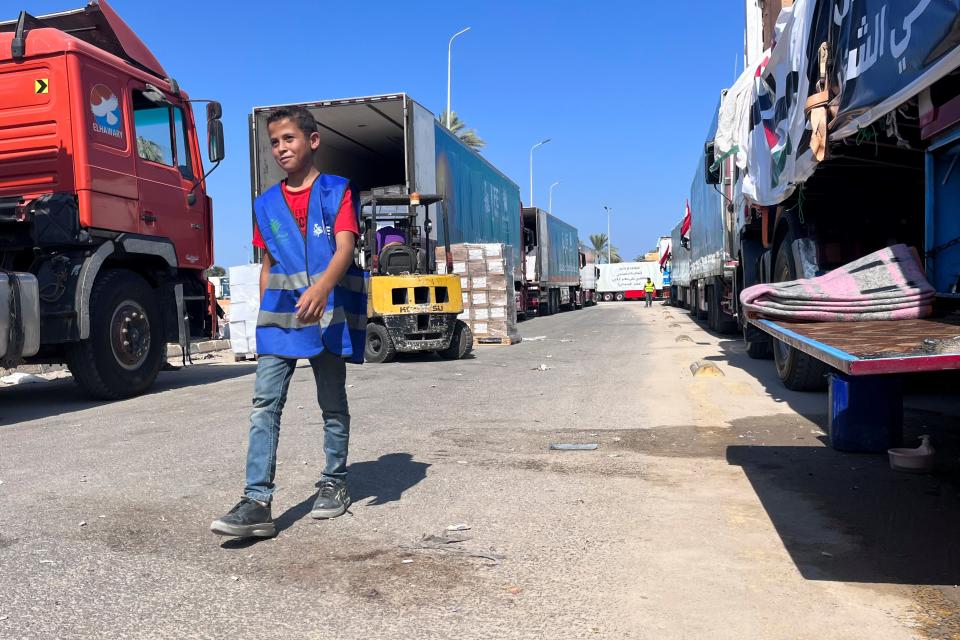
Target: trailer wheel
(798, 371)
(379, 347)
(460, 344)
(126, 347)
(607, 297)
(619, 296)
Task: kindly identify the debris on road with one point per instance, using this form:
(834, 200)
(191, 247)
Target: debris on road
(447, 542)
(567, 340)
(573, 447)
(82, 523)
(407, 561)
(514, 590)
(535, 338)
(21, 378)
(705, 368)
(458, 527)
(542, 367)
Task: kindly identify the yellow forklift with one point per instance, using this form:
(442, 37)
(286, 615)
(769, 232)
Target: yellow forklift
(411, 308)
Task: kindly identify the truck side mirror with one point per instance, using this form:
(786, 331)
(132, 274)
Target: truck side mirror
(711, 168)
(215, 140)
(214, 110)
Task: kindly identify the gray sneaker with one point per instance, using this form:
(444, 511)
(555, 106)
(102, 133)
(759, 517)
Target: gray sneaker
(332, 501)
(248, 519)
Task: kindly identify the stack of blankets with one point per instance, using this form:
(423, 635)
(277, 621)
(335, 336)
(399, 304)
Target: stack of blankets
(886, 285)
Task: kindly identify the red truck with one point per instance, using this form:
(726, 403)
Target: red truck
(105, 225)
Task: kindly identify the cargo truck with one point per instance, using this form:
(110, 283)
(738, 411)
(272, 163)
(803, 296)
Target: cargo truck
(706, 284)
(552, 263)
(588, 275)
(391, 143)
(845, 134)
(106, 228)
(626, 280)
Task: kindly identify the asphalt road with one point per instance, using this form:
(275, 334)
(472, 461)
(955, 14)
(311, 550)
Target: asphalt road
(712, 507)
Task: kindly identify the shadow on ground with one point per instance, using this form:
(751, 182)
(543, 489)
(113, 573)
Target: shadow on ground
(25, 402)
(849, 517)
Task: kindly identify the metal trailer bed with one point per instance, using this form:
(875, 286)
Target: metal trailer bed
(865, 408)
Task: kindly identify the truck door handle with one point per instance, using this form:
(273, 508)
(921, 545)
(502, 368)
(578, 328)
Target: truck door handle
(148, 217)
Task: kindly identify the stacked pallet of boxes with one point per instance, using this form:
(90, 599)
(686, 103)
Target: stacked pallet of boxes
(489, 302)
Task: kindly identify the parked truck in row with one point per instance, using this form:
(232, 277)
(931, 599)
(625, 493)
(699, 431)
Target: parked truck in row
(839, 139)
(105, 224)
(552, 263)
(393, 144)
(704, 284)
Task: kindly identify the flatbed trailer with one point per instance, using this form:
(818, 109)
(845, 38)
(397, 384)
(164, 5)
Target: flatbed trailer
(868, 361)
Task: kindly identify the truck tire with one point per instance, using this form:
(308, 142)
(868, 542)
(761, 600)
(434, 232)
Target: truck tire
(719, 321)
(619, 296)
(797, 370)
(607, 297)
(461, 343)
(126, 347)
(379, 347)
(757, 349)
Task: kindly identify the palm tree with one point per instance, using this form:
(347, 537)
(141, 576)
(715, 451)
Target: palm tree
(599, 243)
(469, 137)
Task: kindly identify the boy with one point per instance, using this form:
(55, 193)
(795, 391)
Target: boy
(308, 309)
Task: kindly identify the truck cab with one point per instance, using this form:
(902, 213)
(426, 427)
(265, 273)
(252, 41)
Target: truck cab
(105, 224)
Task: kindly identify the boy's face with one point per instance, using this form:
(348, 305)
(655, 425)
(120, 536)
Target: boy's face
(292, 148)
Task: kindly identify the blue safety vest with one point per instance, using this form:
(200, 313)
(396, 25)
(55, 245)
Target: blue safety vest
(299, 259)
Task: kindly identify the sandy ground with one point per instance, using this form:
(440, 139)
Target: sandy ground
(712, 507)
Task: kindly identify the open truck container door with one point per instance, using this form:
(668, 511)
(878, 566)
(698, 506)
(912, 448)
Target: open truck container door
(391, 139)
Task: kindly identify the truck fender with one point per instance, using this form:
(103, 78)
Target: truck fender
(87, 276)
(150, 246)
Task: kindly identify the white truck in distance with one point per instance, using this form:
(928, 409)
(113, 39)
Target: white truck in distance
(626, 280)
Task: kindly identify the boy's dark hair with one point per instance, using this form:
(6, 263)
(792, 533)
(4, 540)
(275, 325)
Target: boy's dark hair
(297, 115)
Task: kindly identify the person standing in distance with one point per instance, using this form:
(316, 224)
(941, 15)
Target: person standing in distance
(648, 291)
(310, 307)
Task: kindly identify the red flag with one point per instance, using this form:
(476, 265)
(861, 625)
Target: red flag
(665, 257)
(685, 225)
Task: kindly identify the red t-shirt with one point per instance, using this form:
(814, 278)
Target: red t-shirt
(298, 201)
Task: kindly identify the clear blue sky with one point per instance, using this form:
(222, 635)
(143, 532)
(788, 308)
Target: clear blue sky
(626, 89)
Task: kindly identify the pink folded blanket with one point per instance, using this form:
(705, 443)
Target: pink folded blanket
(886, 285)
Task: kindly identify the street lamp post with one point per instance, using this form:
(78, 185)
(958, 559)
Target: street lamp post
(532, 149)
(449, 59)
(609, 243)
(550, 201)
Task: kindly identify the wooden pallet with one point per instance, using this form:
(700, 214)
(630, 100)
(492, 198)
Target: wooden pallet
(495, 342)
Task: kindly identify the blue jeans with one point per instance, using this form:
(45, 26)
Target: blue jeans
(269, 396)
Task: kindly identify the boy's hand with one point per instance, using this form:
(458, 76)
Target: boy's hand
(313, 303)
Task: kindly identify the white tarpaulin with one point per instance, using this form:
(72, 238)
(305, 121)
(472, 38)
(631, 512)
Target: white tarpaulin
(762, 119)
(880, 54)
(244, 307)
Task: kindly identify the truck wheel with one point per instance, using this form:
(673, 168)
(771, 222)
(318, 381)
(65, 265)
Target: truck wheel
(619, 297)
(797, 370)
(460, 344)
(607, 297)
(379, 347)
(126, 347)
(757, 348)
